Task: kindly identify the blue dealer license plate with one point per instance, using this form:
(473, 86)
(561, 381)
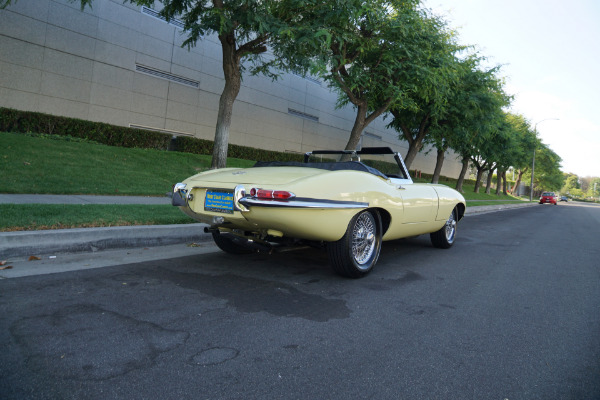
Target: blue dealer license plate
(219, 201)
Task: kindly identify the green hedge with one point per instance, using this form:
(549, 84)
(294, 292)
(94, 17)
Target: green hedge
(188, 144)
(33, 122)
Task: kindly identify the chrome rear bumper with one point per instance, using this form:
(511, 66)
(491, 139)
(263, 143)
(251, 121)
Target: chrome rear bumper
(243, 202)
(180, 192)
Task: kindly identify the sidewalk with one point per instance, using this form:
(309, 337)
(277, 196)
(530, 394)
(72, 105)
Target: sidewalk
(49, 242)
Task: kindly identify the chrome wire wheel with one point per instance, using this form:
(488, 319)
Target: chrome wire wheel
(445, 236)
(451, 228)
(363, 238)
(357, 252)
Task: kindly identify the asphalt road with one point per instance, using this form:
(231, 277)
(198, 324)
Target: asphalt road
(512, 311)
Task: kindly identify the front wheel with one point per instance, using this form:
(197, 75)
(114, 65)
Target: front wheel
(356, 253)
(444, 238)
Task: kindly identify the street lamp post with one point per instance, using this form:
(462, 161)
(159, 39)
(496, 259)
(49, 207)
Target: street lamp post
(533, 162)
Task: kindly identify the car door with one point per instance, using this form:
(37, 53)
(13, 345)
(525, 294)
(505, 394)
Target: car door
(420, 202)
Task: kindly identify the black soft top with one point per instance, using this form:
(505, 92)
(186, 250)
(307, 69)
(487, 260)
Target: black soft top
(329, 166)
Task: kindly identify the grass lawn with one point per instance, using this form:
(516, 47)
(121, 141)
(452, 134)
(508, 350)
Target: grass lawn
(22, 217)
(57, 165)
(60, 165)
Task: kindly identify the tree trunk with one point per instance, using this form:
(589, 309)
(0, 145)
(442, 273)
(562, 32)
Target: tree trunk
(504, 183)
(415, 144)
(518, 182)
(358, 127)
(438, 166)
(478, 179)
(233, 80)
(488, 186)
(499, 181)
(463, 172)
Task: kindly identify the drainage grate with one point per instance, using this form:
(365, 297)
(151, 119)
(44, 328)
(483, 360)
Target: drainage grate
(167, 76)
(155, 14)
(301, 114)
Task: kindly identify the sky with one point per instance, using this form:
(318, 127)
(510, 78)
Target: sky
(550, 56)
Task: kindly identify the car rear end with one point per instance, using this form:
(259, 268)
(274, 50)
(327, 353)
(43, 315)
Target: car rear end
(303, 203)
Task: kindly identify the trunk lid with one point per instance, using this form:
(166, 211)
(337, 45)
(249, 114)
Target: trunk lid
(262, 175)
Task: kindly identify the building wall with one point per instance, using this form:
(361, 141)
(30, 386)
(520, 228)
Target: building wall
(102, 64)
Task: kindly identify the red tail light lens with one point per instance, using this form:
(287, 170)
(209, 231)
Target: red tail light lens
(270, 194)
(282, 195)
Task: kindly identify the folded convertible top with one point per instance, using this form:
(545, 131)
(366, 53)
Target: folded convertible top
(330, 166)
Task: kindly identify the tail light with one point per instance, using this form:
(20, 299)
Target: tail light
(271, 194)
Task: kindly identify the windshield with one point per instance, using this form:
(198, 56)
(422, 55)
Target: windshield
(382, 159)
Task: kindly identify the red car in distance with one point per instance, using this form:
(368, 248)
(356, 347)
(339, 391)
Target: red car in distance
(548, 197)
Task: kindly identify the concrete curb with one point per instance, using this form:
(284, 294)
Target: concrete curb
(493, 208)
(26, 243)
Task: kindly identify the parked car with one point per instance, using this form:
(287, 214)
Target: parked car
(345, 201)
(548, 197)
(564, 198)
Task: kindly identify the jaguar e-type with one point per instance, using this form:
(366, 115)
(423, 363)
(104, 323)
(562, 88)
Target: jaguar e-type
(346, 201)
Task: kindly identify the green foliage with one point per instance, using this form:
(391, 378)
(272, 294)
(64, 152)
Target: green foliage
(571, 183)
(547, 175)
(201, 146)
(26, 121)
(374, 53)
(581, 187)
(60, 165)
(245, 24)
(24, 217)
(76, 130)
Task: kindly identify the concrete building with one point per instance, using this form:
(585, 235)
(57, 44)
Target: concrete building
(118, 63)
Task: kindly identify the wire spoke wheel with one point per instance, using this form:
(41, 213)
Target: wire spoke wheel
(451, 228)
(444, 238)
(355, 254)
(363, 238)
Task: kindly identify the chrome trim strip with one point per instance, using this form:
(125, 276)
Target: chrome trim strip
(303, 203)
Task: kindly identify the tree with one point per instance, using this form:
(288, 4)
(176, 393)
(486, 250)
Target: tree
(433, 83)
(527, 142)
(368, 51)
(547, 175)
(509, 150)
(474, 95)
(571, 182)
(244, 28)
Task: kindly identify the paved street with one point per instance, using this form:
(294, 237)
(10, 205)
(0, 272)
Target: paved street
(512, 311)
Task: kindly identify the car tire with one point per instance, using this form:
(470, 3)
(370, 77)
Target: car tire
(357, 252)
(229, 245)
(444, 238)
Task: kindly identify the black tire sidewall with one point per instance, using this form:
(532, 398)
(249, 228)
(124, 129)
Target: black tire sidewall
(340, 252)
(439, 239)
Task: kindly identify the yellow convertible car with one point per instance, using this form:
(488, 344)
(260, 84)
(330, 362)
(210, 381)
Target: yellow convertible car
(347, 201)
